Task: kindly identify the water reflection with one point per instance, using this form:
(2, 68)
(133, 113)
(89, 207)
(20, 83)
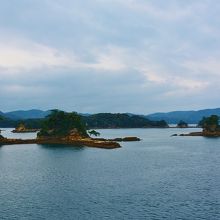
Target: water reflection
(62, 146)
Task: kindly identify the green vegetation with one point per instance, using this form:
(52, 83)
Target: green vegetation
(29, 123)
(108, 120)
(21, 126)
(32, 123)
(210, 124)
(60, 124)
(182, 124)
(7, 123)
(102, 120)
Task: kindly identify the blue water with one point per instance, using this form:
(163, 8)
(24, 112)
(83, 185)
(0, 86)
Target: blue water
(161, 177)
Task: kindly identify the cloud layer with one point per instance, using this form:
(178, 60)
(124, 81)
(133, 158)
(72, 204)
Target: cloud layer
(109, 56)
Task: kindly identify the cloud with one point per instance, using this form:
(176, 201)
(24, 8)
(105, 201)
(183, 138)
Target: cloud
(209, 66)
(24, 55)
(102, 55)
(27, 55)
(110, 60)
(169, 11)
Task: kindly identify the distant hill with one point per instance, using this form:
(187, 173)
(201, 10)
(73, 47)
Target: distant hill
(191, 117)
(102, 120)
(1, 113)
(119, 120)
(29, 114)
(109, 120)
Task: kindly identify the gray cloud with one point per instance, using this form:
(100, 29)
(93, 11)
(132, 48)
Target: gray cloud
(109, 56)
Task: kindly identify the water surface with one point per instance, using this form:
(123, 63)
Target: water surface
(161, 177)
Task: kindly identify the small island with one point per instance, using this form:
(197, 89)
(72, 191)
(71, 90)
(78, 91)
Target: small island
(67, 128)
(210, 126)
(21, 128)
(182, 124)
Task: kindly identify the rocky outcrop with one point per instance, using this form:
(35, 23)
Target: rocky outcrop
(174, 135)
(72, 140)
(203, 133)
(125, 139)
(22, 129)
(10, 141)
(75, 137)
(78, 142)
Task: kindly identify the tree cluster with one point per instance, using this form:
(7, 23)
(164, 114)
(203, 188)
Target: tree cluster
(60, 123)
(108, 120)
(210, 124)
(182, 124)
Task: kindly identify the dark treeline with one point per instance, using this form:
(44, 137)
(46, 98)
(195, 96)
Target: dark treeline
(102, 120)
(210, 124)
(108, 120)
(29, 123)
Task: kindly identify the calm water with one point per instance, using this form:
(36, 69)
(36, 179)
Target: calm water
(161, 177)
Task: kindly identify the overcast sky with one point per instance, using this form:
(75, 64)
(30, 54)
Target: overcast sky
(139, 56)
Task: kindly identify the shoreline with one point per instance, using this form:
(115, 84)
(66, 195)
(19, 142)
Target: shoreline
(79, 142)
(202, 134)
(89, 142)
(25, 131)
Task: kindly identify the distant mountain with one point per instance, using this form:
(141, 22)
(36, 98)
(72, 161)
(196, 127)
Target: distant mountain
(29, 114)
(191, 117)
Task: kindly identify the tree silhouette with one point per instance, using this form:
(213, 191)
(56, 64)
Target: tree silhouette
(93, 132)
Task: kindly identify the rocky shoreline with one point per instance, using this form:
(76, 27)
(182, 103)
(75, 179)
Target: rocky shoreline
(89, 142)
(203, 134)
(22, 129)
(25, 131)
(125, 139)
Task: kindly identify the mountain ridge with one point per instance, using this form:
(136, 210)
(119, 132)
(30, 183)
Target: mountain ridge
(25, 114)
(191, 116)
(173, 117)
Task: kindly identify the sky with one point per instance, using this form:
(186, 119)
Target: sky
(90, 56)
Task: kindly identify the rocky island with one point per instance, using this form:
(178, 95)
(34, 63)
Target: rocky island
(210, 126)
(182, 124)
(67, 128)
(21, 128)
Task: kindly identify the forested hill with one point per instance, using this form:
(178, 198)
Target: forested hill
(171, 117)
(108, 120)
(22, 114)
(102, 120)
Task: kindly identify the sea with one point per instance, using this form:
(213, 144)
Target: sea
(160, 177)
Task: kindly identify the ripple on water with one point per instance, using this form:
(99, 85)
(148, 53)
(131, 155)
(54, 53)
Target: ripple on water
(161, 177)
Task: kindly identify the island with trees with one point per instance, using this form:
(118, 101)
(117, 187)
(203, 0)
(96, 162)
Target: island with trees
(21, 128)
(210, 126)
(68, 128)
(182, 124)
